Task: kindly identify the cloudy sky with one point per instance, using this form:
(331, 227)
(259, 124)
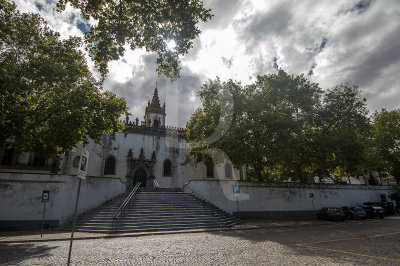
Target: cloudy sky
(329, 41)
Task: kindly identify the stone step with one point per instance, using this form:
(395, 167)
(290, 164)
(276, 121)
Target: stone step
(145, 230)
(154, 219)
(155, 211)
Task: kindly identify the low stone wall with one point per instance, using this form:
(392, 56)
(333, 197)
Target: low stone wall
(21, 197)
(282, 199)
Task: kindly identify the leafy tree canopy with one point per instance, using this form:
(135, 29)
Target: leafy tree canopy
(386, 134)
(49, 99)
(346, 129)
(283, 126)
(144, 23)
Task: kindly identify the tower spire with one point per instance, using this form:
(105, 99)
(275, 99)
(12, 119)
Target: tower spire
(154, 113)
(155, 101)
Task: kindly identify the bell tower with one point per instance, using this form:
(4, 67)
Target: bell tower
(154, 115)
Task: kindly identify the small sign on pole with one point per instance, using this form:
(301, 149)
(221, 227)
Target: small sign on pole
(45, 198)
(236, 190)
(83, 164)
(82, 175)
(45, 195)
(311, 196)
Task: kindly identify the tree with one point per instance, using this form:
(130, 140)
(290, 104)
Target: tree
(283, 127)
(345, 132)
(145, 23)
(270, 126)
(386, 136)
(49, 99)
(213, 125)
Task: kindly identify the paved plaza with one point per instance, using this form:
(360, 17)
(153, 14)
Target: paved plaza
(369, 242)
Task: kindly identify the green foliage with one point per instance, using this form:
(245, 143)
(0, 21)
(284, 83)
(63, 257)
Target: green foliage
(145, 23)
(345, 131)
(283, 126)
(49, 99)
(386, 136)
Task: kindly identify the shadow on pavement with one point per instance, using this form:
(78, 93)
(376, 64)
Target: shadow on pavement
(331, 237)
(17, 253)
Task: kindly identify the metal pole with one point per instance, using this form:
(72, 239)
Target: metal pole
(44, 211)
(237, 203)
(73, 224)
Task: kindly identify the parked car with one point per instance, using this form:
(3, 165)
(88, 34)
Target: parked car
(373, 211)
(354, 212)
(331, 214)
(388, 207)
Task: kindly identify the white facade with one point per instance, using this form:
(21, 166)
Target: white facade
(147, 145)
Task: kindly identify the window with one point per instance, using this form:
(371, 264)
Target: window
(39, 161)
(7, 157)
(75, 162)
(228, 170)
(109, 167)
(167, 168)
(210, 170)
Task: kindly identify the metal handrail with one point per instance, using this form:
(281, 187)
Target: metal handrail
(121, 208)
(156, 183)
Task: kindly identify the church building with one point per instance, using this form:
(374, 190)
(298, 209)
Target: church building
(147, 151)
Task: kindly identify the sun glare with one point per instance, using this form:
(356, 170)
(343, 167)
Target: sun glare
(171, 44)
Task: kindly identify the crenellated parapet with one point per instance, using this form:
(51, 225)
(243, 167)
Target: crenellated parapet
(142, 128)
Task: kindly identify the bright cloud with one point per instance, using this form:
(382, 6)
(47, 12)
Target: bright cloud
(355, 41)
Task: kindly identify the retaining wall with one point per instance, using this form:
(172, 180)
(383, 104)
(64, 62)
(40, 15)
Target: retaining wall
(21, 197)
(282, 199)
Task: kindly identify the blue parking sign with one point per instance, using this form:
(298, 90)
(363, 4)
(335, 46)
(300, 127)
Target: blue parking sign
(45, 195)
(236, 189)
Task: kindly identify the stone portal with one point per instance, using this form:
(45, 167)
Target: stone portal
(140, 176)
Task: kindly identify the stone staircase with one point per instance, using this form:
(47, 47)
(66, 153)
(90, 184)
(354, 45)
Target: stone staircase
(155, 210)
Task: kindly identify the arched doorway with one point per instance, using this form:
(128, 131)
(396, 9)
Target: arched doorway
(140, 176)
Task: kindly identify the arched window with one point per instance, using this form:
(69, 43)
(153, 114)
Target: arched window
(210, 170)
(228, 170)
(167, 168)
(109, 167)
(75, 162)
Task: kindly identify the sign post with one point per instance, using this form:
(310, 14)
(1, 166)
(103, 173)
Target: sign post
(82, 170)
(311, 196)
(45, 198)
(236, 191)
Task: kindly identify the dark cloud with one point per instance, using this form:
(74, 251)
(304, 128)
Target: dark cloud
(358, 8)
(383, 56)
(39, 6)
(323, 44)
(223, 11)
(227, 62)
(275, 60)
(319, 47)
(194, 52)
(261, 26)
(177, 95)
(139, 89)
(311, 71)
(186, 101)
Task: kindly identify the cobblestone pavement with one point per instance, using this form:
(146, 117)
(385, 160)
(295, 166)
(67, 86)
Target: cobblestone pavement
(369, 242)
